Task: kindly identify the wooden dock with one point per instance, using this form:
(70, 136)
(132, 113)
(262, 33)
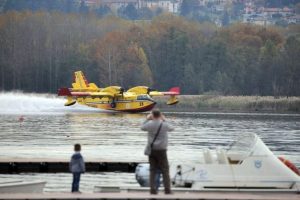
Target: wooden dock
(11, 166)
(144, 195)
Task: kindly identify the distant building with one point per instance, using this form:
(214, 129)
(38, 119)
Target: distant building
(258, 19)
(281, 11)
(252, 13)
(113, 4)
(91, 3)
(216, 2)
(249, 8)
(116, 4)
(293, 19)
(167, 5)
(261, 21)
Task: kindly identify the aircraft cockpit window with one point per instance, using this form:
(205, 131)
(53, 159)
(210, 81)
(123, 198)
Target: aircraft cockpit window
(143, 97)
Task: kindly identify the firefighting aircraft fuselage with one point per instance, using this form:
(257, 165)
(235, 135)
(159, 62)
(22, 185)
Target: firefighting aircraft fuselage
(136, 99)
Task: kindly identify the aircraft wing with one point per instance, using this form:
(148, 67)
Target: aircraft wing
(172, 92)
(103, 94)
(69, 92)
(156, 93)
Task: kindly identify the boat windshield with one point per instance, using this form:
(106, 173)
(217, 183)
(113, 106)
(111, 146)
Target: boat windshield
(243, 145)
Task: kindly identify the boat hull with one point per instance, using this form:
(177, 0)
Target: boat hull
(249, 166)
(22, 187)
(132, 106)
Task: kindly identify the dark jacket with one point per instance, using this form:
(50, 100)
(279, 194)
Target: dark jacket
(77, 163)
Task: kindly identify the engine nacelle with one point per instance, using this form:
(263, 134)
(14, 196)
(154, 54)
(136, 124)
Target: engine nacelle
(113, 90)
(139, 90)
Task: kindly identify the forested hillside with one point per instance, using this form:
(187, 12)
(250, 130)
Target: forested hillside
(39, 51)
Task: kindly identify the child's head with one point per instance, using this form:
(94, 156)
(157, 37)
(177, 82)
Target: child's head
(77, 147)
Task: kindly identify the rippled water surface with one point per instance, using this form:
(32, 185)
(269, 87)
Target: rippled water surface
(49, 130)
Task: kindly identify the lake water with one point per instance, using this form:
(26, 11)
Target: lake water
(50, 130)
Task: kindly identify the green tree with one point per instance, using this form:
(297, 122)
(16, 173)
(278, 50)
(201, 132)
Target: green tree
(187, 7)
(267, 62)
(297, 8)
(145, 13)
(128, 12)
(190, 80)
(83, 8)
(292, 65)
(215, 59)
(103, 10)
(225, 19)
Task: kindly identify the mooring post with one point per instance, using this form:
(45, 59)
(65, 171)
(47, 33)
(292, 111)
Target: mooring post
(43, 167)
(13, 168)
(102, 167)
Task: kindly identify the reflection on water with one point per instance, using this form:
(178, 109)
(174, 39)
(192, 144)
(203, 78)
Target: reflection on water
(117, 137)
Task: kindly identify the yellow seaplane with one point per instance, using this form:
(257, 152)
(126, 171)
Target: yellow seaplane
(136, 99)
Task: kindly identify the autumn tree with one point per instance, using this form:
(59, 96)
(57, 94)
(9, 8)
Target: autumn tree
(121, 61)
(40, 50)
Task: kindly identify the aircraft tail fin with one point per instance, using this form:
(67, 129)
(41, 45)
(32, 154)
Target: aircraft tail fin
(173, 91)
(81, 83)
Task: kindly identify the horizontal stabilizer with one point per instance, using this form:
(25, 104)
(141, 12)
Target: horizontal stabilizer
(64, 92)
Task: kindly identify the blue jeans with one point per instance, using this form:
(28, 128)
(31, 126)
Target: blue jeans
(157, 179)
(75, 183)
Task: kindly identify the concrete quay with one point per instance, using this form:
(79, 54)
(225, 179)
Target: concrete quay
(146, 195)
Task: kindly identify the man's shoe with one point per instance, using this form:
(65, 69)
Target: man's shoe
(153, 192)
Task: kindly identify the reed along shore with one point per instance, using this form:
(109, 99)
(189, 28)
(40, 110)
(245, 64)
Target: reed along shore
(217, 103)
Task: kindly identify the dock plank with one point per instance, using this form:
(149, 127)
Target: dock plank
(144, 195)
(55, 166)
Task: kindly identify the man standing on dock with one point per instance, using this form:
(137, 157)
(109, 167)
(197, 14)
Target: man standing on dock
(158, 129)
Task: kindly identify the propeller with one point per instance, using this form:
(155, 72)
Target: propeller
(149, 90)
(122, 90)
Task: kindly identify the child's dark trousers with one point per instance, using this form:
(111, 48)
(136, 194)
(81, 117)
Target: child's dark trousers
(76, 180)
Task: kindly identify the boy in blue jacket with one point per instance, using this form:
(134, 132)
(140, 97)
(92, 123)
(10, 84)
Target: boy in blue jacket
(77, 167)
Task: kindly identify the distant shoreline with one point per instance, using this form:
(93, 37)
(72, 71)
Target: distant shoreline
(216, 103)
(209, 103)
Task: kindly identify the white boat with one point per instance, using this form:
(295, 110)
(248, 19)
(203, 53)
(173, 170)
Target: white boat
(22, 187)
(247, 164)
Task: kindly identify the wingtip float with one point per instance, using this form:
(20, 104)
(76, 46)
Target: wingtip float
(136, 99)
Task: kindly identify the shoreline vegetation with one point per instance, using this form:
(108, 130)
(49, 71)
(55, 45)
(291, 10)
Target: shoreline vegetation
(219, 103)
(207, 103)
